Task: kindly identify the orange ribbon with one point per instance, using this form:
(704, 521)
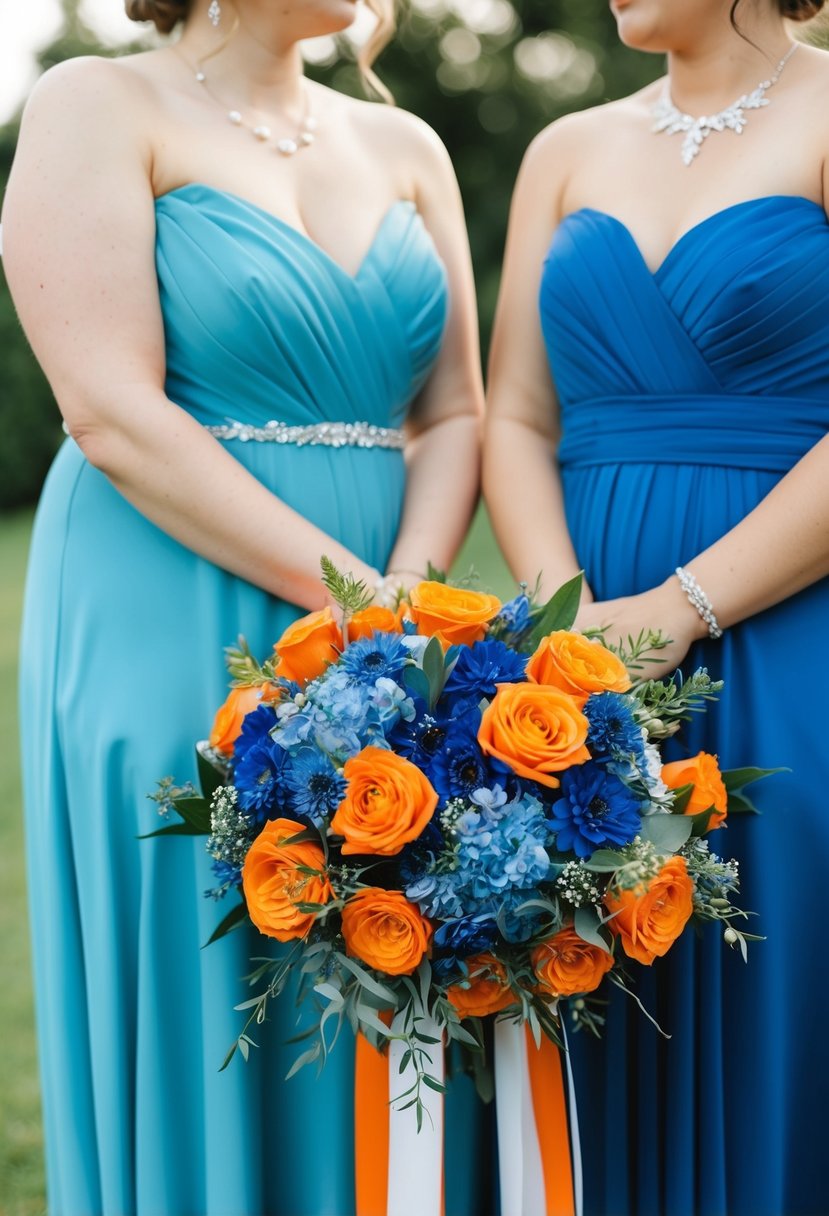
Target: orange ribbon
(371, 1128)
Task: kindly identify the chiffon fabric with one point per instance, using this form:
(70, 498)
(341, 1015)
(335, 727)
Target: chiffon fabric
(122, 670)
(686, 394)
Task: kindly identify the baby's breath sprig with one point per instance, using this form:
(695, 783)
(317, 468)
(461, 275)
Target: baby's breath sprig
(577, 885)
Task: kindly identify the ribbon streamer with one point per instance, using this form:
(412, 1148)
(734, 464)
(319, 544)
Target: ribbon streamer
(399, 1171)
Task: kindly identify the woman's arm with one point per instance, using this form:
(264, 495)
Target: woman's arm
(521, 479)
(79, 235)
(443, 431)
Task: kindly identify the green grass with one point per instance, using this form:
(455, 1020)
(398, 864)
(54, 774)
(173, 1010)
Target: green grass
(22, 1190)
(21, 1164)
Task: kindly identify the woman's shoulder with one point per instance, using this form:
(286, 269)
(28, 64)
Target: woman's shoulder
(585, 131)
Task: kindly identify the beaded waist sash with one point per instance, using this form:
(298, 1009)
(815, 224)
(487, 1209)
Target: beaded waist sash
(324, 434)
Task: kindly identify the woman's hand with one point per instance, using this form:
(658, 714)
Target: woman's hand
(665, 609)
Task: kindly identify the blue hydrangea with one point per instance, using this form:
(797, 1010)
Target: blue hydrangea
(613, 731)
(315, 786)
(480, 668)
(380, 655)
(468, 935)
(495, 846)
(595, 810)
(391, 703)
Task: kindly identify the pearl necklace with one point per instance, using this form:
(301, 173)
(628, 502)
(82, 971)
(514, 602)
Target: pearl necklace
(286, 145)
(669, 119)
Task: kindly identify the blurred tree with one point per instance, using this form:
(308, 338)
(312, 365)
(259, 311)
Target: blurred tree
(486, 74)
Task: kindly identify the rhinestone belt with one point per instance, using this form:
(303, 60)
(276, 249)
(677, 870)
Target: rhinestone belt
(325, 434)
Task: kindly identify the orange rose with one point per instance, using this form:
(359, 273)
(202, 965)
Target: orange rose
(565, 964)
(308, 646)
(703, 772)
(649, 918)
(227, 725)
(488, 990)
(383, 620)
(537, 731)
(455, 616)
(274, 884)
(386, 931)
(388, 802)
(577, 665)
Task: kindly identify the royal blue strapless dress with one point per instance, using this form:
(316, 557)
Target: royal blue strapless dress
(686, 394)
(122, 671)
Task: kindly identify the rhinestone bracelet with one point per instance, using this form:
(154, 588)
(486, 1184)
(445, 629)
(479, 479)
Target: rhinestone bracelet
(699, 600)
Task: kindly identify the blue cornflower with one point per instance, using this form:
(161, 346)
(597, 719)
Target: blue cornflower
(315, 787)
(595, 810)
(613, 730)
(458, 768)
(369, 659)
(480, 668)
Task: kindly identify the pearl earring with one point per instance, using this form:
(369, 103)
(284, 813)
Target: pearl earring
(214, 13)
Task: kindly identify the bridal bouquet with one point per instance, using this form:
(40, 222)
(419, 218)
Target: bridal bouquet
(453, 809)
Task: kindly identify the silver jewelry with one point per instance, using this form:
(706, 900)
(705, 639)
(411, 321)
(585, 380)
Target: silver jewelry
(214, 13)
(669, 119)
(699, 600)
(315, 434)
(286, 145)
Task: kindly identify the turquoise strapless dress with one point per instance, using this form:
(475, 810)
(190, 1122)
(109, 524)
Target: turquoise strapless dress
(686, 395)
(122, 671)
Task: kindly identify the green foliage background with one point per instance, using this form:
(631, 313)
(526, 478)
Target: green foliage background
(486, 74)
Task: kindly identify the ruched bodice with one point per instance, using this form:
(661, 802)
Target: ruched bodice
(720, 356)
(261, 323)
(686, 394)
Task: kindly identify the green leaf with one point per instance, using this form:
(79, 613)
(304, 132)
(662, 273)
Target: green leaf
(368, 981)
(667, 833)
(736, 778)
(196, 812)
(173, 829)
(416, 683)
(234, 918)
(433, 670)
(741, 804)
(604, 861)
(701, 821)
(559, 612)
(587, 924)
(434, 1083)
(350, 594)
(681, 799)
(307, 1057)
(434, 575)
(212, 774)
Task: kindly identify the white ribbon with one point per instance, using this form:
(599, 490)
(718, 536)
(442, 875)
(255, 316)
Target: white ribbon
(415, 1158)
(519, 1153)
(575, 1140)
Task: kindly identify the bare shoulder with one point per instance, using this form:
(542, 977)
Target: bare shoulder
(92, 87)
(568, 138)
(413, 151)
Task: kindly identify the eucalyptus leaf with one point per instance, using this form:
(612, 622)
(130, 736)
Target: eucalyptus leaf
(368, 980)
(604, 861)
(587, 924)
(667, 833)
(434, 670)
(416, 682)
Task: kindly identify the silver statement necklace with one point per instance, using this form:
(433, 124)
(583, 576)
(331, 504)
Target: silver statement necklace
(285, 145)
(667, 118)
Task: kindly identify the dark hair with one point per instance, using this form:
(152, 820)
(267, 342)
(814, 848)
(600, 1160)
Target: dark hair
(795, 10)
(164, 14)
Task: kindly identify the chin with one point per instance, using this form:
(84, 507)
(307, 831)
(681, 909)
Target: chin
(329, 18)
(640, 24)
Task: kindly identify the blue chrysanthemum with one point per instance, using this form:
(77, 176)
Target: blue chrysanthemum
(256, 726)
(258, 778)
(315, 787)
(381, 654)
(459, 767)
(421, 739)
(480, 668)
(613, 730)
(595, 810)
